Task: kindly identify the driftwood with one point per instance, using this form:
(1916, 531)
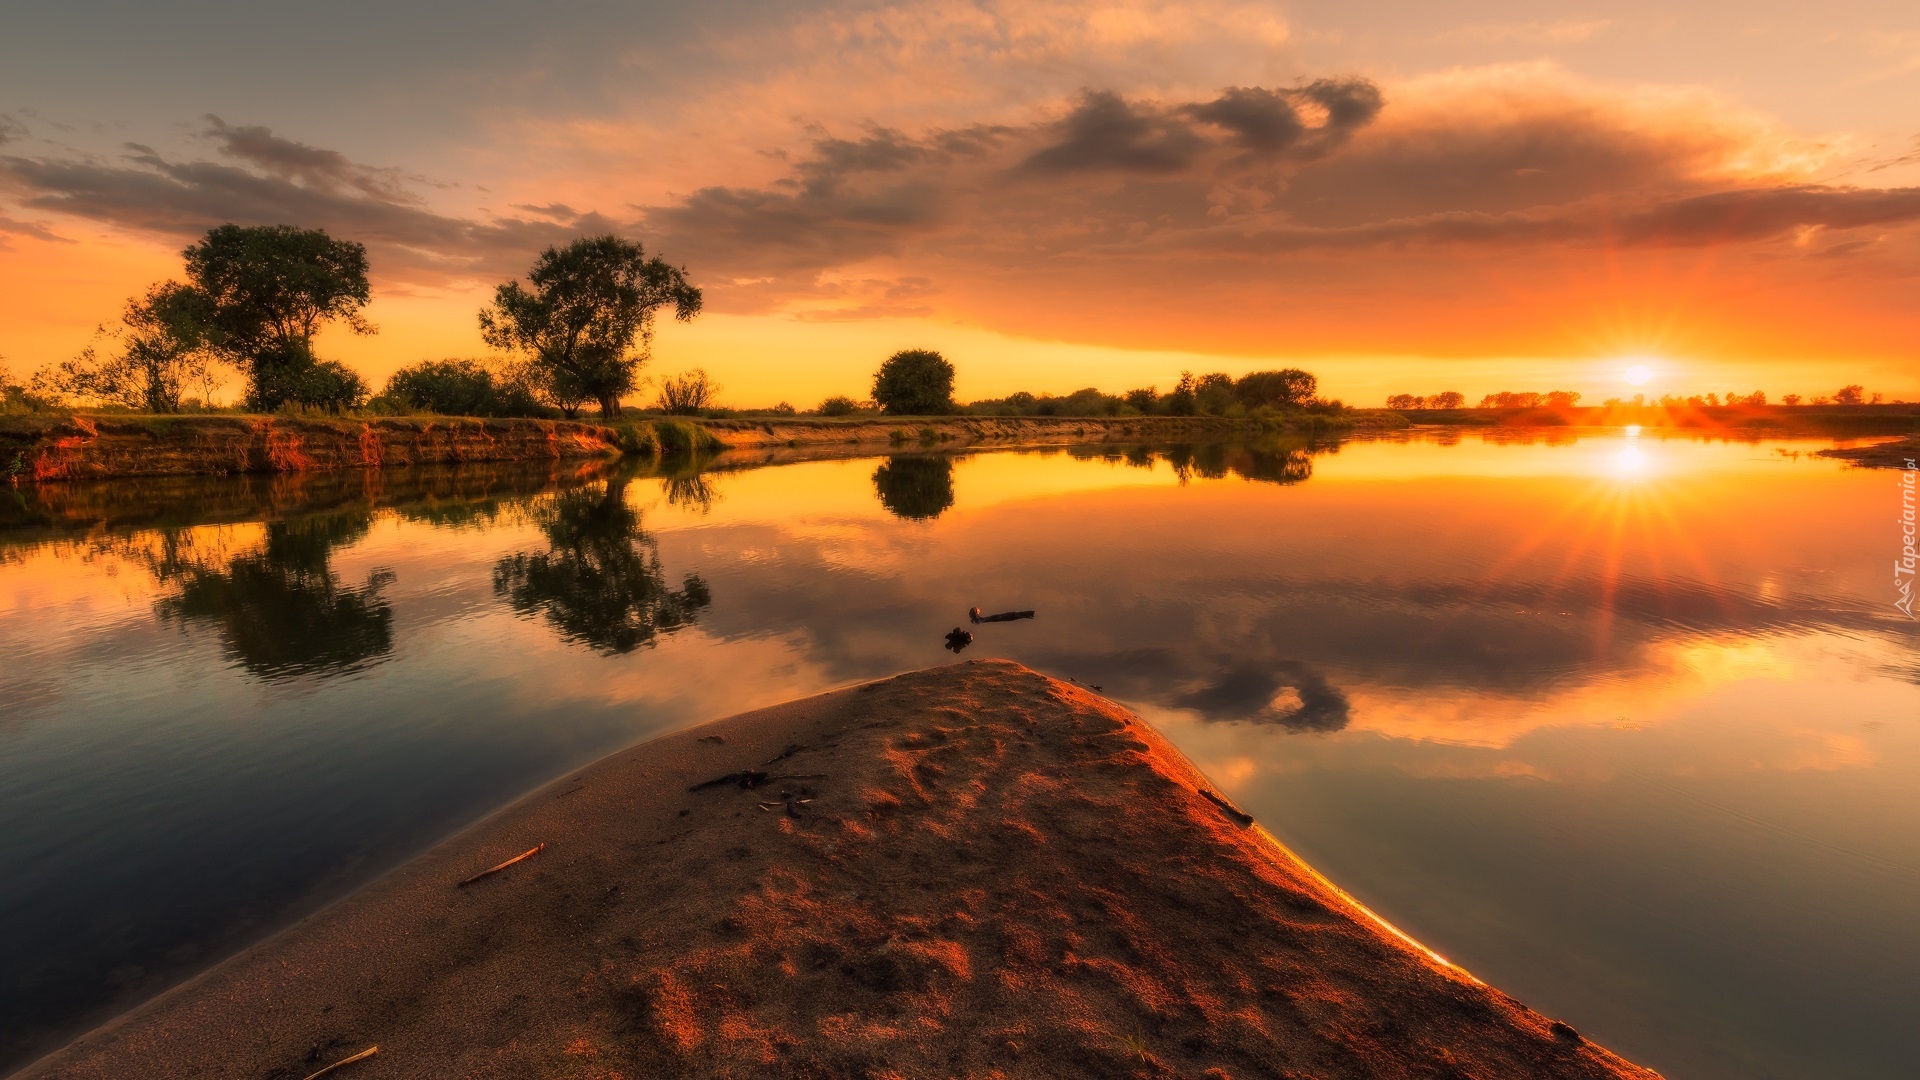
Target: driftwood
(1228, 808)
(364, 1054)
(1005, 616)
(747, 778)
(527, 854)
(958, 639)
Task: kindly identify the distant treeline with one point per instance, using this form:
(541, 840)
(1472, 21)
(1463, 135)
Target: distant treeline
(1853, 394)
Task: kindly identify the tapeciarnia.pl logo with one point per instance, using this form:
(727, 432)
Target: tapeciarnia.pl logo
(1903, 566)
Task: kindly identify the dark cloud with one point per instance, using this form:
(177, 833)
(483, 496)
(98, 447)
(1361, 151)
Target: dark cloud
(283, 182)
(306, 166)
(1105, 132)
(1268, 122)
(33, 229)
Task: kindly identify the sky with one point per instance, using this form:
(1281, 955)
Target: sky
(1401, 197)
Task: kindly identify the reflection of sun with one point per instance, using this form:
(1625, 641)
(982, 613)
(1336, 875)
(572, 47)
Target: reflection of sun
(1626, 508)
(1638, 374)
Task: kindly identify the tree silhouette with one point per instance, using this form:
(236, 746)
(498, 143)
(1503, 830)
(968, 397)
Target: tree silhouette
(600, 583)
(282, 611)
(587, 320)
(914, 382)
(915, 488)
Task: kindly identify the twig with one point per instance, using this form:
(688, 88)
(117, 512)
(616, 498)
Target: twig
(372, 1050)
(528, 854)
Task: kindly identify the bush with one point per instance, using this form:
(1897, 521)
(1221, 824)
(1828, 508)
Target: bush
(317, 385)
(839, 405)
(914, 382)
(689, 393)
(447, 387)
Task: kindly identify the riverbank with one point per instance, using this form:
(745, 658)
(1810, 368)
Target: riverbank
(57, 447)
(52, 447)
(966, 871)
(1891, 454)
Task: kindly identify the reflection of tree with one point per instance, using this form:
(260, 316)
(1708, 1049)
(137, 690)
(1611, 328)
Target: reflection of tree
(281, 610)
(692, 492)
(1269, 463)
(600, 584)
(915, 488)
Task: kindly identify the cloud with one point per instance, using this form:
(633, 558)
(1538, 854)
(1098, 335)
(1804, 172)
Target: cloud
(278, 181)
(1558, 32)
(33, 229)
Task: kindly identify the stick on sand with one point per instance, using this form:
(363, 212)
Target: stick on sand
(528, 854)
(362, 1055)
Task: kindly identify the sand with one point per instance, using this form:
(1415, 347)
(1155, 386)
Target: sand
(967, 871)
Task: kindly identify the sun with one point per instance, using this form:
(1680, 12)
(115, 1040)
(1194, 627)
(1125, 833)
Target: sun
(1638, 374)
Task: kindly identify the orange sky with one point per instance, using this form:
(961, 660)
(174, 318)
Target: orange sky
(1055, 194)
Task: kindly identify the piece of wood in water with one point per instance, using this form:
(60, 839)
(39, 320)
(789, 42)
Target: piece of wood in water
(527, 854)
(1005, 616)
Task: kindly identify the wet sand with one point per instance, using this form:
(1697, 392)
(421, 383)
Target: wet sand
(967, 871)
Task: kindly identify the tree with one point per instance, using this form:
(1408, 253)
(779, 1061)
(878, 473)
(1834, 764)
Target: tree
(1143, 399)
(1182, 402)
(1853, 394)
(160, 350)
(839, 405)
(914, 382)
(1283, 389)
(1213, 392)
(1562, 399)
(1405, 401)
(591, 303)
(269, 289)
(689, 393)
(1449, 399)
(1791, 399)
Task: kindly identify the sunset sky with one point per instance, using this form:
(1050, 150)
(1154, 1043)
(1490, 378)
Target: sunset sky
(1475, 196)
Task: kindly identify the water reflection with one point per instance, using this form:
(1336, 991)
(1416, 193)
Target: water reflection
(915, 487)
(282, 611)
(600, 583)
(1591, 738)
(1287, 693)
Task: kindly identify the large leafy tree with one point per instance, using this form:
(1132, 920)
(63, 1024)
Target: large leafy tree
(914, 382)
(269, 289)
(586, 316)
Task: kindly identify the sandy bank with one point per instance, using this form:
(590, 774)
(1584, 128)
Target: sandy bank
(966, 871)
(1892, 454)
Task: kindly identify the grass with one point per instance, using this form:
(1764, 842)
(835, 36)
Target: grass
(682, 437)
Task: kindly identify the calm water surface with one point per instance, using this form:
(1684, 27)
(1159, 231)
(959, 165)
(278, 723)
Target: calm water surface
(1626, 726)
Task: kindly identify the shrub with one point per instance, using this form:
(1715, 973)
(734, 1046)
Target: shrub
(689, 393)
(839, 405)
(681, 437)
(447, 387)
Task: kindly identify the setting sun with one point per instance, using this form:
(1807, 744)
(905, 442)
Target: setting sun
(1638, 374)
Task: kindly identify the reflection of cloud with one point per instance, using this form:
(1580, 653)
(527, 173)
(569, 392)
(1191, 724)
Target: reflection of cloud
(1249, 692)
